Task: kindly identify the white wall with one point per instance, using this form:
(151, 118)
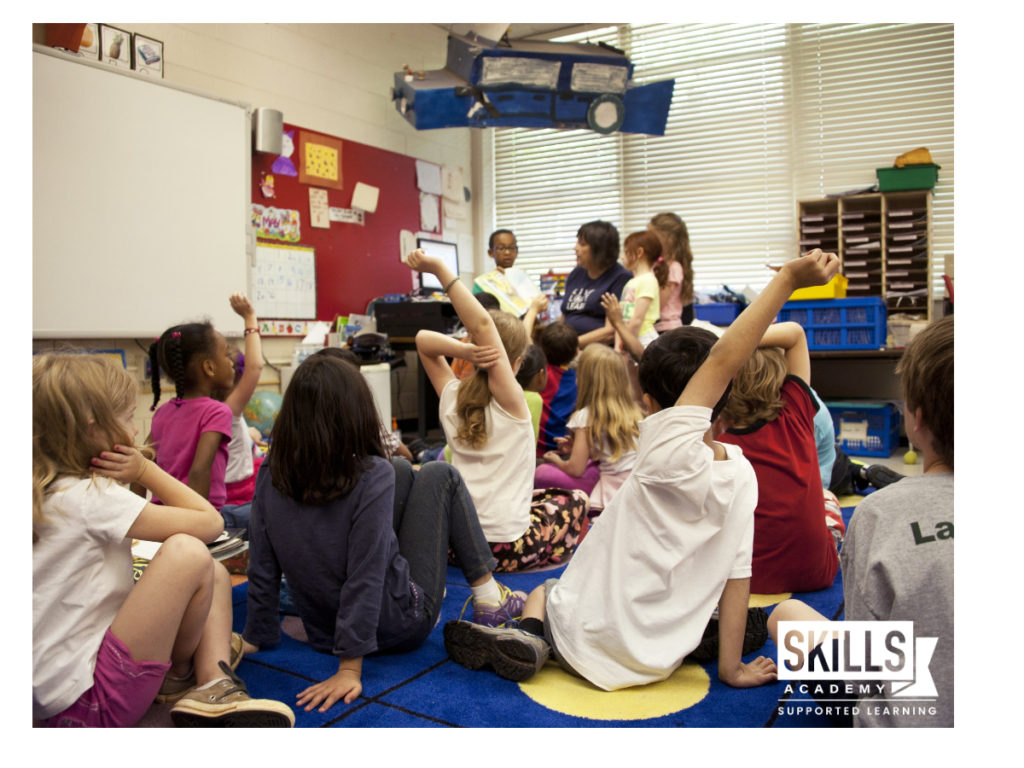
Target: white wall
(331, 78)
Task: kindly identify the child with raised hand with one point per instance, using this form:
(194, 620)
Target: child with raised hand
(488, 427)
(240, 472)
(798, 525)
(362, 540)
(604, 428)
(102, 648)
(191, 432)
(620, 619)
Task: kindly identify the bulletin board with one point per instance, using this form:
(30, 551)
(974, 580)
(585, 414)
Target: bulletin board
(283, 282)
(354, 262)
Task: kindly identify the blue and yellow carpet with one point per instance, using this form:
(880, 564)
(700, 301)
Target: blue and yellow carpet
(426, 689)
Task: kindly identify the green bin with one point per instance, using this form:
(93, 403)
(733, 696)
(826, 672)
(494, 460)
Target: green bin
(921, 176)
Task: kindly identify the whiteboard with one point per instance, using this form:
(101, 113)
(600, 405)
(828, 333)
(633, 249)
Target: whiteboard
(140, 198)
(284, 282)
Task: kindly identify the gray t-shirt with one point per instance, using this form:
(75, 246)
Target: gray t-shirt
(897, 564)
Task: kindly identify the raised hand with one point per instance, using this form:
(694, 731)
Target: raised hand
(612, 308)
(813, 268)
(420, 262)
(241, 305)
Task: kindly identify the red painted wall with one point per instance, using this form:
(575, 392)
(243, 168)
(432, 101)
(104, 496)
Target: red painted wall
(354, 264)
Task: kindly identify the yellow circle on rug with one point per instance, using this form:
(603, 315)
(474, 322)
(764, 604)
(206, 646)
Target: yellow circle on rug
(763, 601)
(556, 689)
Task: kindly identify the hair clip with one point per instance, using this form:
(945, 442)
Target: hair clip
(176, 334)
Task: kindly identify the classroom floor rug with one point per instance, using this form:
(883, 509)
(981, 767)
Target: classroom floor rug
(426, 689)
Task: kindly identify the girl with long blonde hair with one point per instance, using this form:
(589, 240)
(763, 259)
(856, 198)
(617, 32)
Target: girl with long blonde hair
(604, 427)
(487, 423)
(102, 648)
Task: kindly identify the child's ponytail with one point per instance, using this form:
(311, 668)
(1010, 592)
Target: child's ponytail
(474, 393)
(154, 372)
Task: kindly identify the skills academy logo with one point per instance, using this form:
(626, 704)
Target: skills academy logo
(853, 666)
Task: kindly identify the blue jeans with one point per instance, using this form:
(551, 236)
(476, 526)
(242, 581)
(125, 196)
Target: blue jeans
(434, 511)
(236, 515)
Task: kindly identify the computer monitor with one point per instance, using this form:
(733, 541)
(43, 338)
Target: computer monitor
(447, 252)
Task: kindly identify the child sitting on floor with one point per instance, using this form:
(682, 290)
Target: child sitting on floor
(103, 647)
(362, 540)
(191, 432)
(603, 428)
(560, 344)
(798, 525)
(487, 424)
(897, 559)
(675, 541)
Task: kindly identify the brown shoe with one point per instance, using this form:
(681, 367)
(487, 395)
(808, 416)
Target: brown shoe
(173, 688)
(226, 703)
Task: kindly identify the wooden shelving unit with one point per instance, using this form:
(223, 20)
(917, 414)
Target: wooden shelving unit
(884, 244)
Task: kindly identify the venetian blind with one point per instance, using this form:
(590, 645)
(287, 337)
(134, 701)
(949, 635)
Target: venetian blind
(762, 115)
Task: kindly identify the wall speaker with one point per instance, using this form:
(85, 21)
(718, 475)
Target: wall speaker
(267, 128)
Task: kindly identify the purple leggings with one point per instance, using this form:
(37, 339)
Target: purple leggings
(549, 476)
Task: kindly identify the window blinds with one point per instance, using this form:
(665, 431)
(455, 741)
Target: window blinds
(763, 115)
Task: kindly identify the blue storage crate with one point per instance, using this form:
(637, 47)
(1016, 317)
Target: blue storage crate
(866, 428)
(720, 313)
(839, 323)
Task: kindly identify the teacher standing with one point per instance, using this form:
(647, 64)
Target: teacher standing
(597, 272)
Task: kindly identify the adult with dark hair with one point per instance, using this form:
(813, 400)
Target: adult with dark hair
(362, 541)
(515, 290)
(674, 271)
(597, 272)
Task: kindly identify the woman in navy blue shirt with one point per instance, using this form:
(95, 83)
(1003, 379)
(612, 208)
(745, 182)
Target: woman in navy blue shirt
(597, 272)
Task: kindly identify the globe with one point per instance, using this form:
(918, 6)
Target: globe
(261, 411)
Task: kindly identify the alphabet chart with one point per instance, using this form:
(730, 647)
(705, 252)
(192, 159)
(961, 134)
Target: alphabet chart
(284, 281)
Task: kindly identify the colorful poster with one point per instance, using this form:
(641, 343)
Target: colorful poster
(276, 223)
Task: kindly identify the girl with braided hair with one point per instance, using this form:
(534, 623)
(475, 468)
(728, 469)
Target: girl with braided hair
(191, 432)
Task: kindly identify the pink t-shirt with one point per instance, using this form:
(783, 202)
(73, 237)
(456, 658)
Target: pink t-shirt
(671, 299)
(177, 425)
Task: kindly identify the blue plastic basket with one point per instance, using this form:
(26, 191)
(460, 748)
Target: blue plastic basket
(839, 323)
(866, 428)
(720, 313)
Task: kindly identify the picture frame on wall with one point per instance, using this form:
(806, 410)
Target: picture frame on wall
(147, 55)
(115, 46)
(90, 46)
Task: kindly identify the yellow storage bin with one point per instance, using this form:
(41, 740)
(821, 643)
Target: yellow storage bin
(833, 289)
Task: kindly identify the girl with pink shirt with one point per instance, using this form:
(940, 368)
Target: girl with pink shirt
(674, 271)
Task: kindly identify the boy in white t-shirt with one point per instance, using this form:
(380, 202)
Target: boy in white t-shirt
(674, 542)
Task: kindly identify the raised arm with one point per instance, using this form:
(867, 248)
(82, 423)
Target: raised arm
(537, 305)
(740, 340)
(792, 340)
(481, 328)
(246, 385)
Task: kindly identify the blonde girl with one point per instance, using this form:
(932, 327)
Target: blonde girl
(675, 271)
(103, 649)
(488, 426)
(604, 427)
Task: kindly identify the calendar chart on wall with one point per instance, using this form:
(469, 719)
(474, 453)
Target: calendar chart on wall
(284, 282)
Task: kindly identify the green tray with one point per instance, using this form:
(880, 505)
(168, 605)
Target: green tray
(921, 176)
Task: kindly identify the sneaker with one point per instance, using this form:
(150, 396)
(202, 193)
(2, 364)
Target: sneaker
(173, 688)
(226, 703)
(880, 475)
(497, 614)
(858, 476)
(512, 653)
